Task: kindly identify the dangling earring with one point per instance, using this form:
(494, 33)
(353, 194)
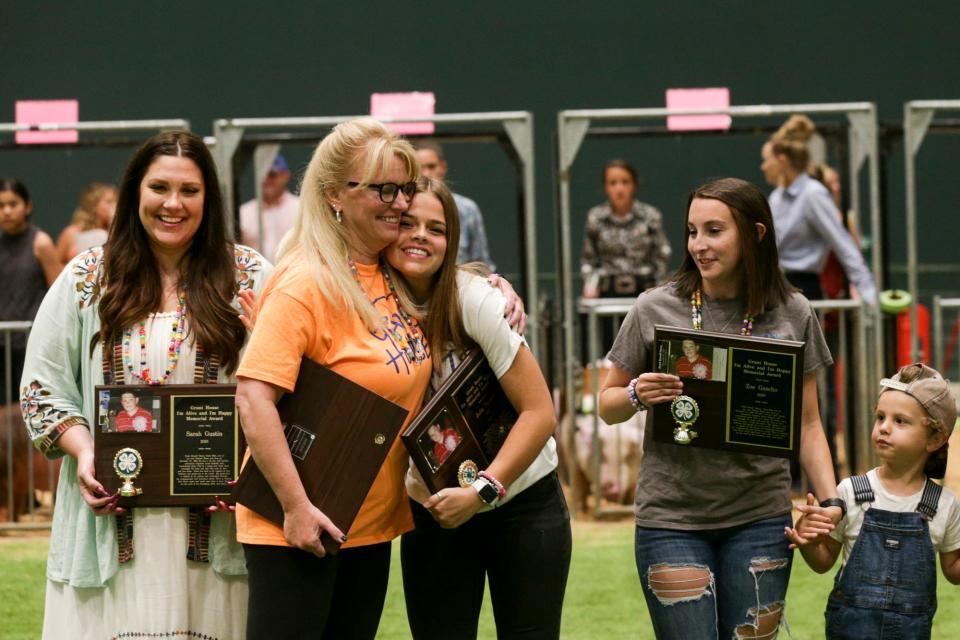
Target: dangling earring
(339, 213)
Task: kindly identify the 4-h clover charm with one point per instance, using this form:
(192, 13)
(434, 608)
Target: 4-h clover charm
(127, 463)
(685, 412)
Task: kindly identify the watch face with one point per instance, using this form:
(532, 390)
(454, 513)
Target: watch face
(488, 493)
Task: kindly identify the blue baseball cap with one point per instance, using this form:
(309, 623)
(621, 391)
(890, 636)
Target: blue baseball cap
(279, 164)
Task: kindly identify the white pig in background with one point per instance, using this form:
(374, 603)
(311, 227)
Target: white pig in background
(621, 446)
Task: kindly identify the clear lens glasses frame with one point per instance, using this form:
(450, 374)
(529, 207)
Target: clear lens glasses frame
(388, 191)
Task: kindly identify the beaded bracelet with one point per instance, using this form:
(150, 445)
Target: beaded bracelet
(632, 394)
(496, 483)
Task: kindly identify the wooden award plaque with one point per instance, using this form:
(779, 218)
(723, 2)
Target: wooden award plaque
(465, 422)
(740, 393)
(167, 445)
(339, 435)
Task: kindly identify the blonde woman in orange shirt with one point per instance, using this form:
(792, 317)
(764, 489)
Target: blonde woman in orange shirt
(330, 300)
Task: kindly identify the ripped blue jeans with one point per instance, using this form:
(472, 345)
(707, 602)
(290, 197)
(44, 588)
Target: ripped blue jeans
(722, 583)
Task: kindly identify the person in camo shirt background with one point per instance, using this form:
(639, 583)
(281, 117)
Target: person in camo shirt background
(625, 250)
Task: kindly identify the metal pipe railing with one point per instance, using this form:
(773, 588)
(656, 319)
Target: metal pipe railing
(939, 356)
(99, 126)
(596, 308)
(917, 118)
(8, 329)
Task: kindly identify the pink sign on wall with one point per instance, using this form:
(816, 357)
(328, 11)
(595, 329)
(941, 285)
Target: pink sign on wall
(37, 112)
(714, 98)
(405, 105)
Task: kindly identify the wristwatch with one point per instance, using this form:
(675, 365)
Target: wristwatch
(486, 490)
(836, 502)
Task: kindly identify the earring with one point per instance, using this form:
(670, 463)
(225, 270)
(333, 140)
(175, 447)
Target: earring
(339, 214)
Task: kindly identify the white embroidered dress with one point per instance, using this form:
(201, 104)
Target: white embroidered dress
(159, 593)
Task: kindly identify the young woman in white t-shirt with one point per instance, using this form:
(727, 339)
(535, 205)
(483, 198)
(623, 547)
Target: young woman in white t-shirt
(518, 539)
(897, 518)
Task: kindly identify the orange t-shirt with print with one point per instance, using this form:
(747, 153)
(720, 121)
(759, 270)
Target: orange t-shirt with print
(295, 320)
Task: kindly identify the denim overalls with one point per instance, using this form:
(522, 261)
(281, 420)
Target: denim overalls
(888, 587)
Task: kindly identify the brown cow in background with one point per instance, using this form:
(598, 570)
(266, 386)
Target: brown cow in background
(11, 422)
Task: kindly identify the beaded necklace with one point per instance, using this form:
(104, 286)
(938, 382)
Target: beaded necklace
(696, 315)
(173, 352)
(413, 347)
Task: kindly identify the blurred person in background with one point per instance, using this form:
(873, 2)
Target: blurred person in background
(805, 215)
(29, 265)
(279, 212)
(625, 250)
(91, 221)
(473, 236)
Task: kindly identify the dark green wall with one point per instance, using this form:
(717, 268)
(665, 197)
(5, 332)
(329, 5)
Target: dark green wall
(206, 60)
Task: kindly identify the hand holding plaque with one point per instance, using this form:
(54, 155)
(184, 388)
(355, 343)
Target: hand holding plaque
(740, 393)
(461, 429)
(167, 445)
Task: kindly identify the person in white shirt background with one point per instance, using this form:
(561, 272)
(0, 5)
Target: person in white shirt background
(279, 212)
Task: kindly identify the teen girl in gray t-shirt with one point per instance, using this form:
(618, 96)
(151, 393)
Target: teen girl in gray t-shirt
(710, 548)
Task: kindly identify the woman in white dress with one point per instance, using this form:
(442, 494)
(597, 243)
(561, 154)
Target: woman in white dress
(157, 304)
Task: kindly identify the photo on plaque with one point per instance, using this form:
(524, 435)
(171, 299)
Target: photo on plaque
(440, 439)
(692, 359)
(740, 393)
(129, 411)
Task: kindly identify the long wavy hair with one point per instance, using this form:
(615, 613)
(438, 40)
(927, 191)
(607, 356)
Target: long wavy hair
(133, 288)
(85, 215)
(439, 316)
(362, 143)
(763, 283)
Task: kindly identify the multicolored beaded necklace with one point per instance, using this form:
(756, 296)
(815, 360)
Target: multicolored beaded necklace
(696, 315)
(173, 352)
(413, 346)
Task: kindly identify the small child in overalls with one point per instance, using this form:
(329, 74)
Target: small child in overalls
(897, 518)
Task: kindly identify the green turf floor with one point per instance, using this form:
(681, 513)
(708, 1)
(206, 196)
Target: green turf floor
(603, 595)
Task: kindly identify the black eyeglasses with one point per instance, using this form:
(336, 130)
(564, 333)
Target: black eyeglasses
(388, 191)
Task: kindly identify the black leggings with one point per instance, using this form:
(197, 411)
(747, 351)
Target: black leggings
(295, 594)
(523, 548)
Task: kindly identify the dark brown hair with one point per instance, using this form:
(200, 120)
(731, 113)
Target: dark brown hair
(429, 145)
(764, 285)
(619, 163)
(439, 316)
(133, 288)
(15, 185)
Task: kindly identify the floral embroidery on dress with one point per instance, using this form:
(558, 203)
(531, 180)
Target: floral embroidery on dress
(39, 413)
(86, 268)
(248, 263)
(179, 633)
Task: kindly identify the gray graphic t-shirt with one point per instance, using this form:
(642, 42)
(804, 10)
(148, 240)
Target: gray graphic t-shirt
(690, 488)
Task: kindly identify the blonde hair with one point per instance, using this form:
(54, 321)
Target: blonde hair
(362, 143)
(792, 140)
(85, 215)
